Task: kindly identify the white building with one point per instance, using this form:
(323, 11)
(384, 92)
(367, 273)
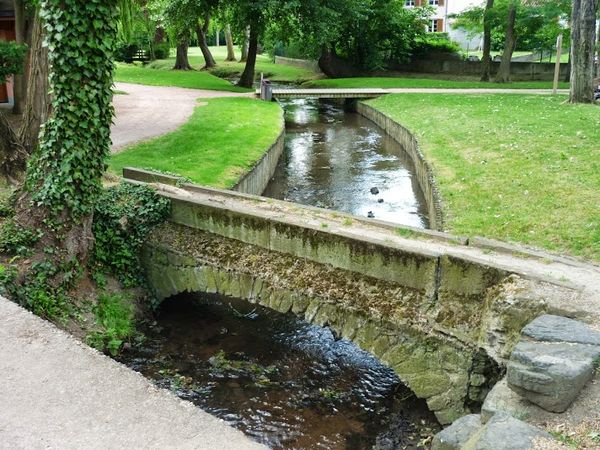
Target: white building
(442, 23)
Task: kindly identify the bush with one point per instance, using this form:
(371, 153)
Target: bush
(115, 316)
(12, 56)
(162, 50)
(434, 43)
(125, 52)
(124, 216)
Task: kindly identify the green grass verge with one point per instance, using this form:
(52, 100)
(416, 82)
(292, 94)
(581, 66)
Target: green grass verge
(220, 143)
(224, 69)
(409, 82)
(512, 167)
(129, 73)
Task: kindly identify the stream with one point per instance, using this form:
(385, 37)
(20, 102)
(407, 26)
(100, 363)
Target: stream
(334, 158)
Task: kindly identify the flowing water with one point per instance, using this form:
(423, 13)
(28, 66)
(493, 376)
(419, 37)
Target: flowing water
(282, 381)
(333, 158)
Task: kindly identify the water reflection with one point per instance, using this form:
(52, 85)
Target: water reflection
(282, 381)
(334, 158)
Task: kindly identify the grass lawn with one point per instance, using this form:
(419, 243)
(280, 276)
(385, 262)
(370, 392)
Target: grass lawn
(220, 142)
(410, 82)
(129, 73)
(512, 167)
(276, 72)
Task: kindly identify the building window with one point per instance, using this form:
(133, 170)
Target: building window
(434, 26)
(434, 2)
(409, 3)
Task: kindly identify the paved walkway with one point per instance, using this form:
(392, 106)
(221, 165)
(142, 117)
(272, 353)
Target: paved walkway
(57, 393)
(146, 112)
(473, 91)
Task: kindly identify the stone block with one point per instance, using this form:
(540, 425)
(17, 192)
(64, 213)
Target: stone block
(549, 328)
(456, 435)
(504, 432)
(551, 374)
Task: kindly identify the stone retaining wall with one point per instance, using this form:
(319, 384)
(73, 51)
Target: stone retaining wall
(518, 70)
(423, 170)
(256, 180)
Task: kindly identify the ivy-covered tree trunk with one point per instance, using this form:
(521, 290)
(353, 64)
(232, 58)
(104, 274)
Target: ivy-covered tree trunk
(64, 177)
(583, 41)
(229, 42)
(181, 60)
(247, 78)
(201, 30)
(20, 81)
(486, 60)
(510, 42)
(13, 157)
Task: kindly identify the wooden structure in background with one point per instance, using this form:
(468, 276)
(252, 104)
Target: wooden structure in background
(7, 33)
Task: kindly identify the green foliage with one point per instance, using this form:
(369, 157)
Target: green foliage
(434, 43)
(12, 56)
(43, 289)
(16, 240)
(64, 175)
(124, 216)
(162, 51)
(115, 316)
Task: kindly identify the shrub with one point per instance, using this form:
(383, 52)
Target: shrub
(162, 50)
(434, 43)
(124, 215)
(115, 316)
(12, 56)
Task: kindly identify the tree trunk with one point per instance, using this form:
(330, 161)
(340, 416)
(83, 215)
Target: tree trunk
(598, 49)
(583, 41)
(181, 61)
(335, 67)
(247, 78)
(37, 105)
(503, 75)
(20, 81)
(201, 31)
(244, 57)
(229, 42)
(13, 157)
(486, 60)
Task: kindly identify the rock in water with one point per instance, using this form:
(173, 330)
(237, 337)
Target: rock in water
(374, 191)
(380, 200)
(457, 434)
(370, 215)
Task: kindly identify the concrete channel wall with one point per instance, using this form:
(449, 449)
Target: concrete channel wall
(302, 63)
(256, 180)
(423, 170)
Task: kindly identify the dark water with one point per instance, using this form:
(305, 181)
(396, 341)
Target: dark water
(333, 158)
(282, 381)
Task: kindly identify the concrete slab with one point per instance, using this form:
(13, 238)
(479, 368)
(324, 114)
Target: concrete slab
(56, 392)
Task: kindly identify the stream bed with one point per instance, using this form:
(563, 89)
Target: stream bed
(285, 383)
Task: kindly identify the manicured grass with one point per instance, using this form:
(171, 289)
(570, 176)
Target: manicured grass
(129, 73)
(220, 142)
(275, 72)
(409, 82)
(512, 167)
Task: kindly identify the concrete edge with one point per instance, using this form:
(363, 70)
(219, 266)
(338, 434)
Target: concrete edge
(424, 171)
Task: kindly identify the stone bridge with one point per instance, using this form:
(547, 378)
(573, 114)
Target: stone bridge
(443, 313)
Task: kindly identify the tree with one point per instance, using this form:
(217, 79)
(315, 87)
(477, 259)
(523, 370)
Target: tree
(486, 59)
(583, 40)
(64, 179)
(229, 42)
(503, 74)
(202, 27)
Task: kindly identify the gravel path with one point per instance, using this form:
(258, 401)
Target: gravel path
(146, 112)
(57, 393)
